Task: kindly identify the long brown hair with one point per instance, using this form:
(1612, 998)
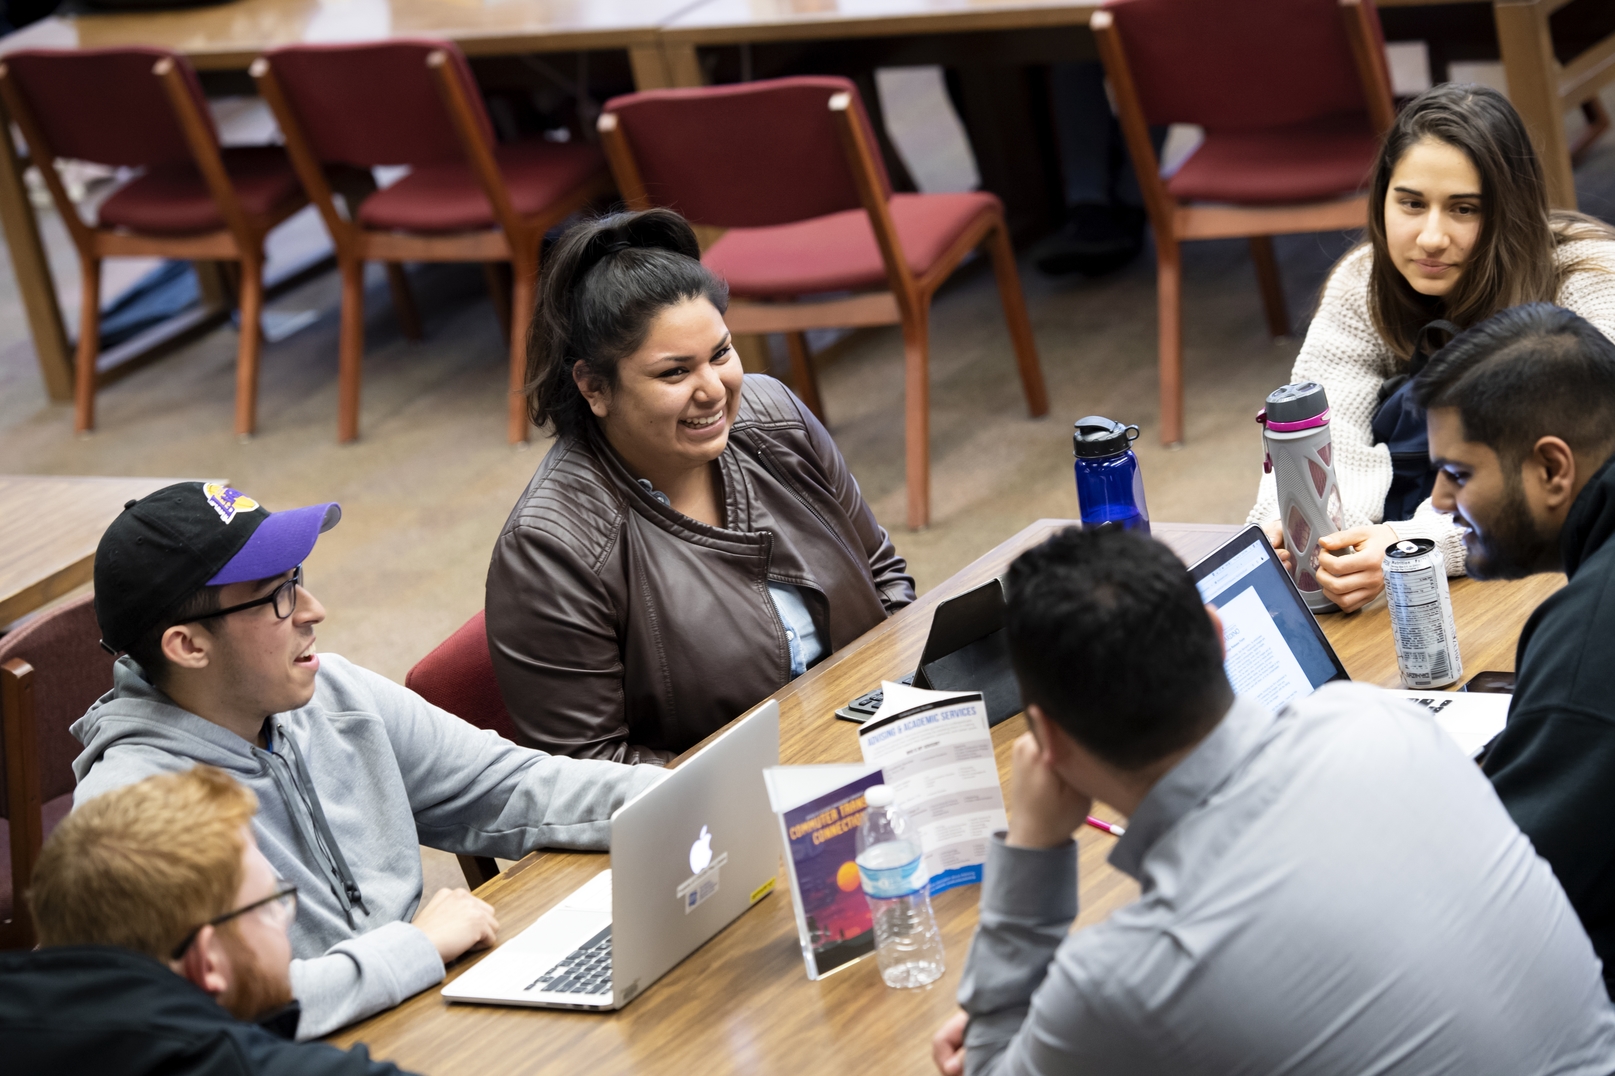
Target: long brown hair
(1513, 259)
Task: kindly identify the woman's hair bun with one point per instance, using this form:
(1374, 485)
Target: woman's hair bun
(599, 291)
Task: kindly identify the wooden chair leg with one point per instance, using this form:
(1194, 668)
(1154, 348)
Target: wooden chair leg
(1169, 315)
(89, 346)
(210, 282)
(807, 382)
(524, 287)
(409, 319)
(1267, 278)
(24, 804)
(1020, 325)
(497, 274)
(478, 869)
(249, 346)
(917, 413)
(350, 359)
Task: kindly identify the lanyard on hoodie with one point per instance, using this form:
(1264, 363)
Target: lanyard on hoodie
(333, 864)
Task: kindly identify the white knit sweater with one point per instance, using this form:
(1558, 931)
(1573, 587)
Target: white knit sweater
(1345, 354)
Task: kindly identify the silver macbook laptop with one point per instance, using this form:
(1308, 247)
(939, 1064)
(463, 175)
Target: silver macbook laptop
(688, 855)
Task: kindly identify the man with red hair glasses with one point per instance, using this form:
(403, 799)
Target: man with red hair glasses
(163, 944)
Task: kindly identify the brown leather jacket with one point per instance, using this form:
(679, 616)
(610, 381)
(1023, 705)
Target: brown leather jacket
(622, 629)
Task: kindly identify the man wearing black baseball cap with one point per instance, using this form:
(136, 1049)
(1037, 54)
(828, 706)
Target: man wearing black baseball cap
(201, 589)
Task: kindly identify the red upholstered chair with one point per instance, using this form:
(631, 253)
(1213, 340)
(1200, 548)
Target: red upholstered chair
(415, 103)
(789, 167)
(51, 670)
(458, 677)
(143, 108)
(1293, 95)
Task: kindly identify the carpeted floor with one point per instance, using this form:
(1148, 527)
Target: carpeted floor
(427, 488)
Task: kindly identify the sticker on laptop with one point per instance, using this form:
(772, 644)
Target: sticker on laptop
(226, 501)
(694, 890)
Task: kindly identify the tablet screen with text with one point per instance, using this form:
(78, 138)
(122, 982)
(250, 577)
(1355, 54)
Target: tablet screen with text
(1276, 650)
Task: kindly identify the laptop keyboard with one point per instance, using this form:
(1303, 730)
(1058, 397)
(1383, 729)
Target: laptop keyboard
(586, 970)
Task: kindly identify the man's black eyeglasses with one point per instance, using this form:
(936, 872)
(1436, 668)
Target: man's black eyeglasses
(283, 598)
(284, 904)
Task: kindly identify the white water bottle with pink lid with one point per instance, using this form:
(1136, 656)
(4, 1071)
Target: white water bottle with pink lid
(1300, 453)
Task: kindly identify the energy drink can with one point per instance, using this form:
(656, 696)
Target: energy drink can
(1421, 615)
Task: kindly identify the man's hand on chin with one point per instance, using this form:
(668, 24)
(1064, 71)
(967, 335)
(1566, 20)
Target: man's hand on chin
(1043, 809)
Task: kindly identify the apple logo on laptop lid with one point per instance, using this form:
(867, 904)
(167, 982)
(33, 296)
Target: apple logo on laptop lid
(701, 852)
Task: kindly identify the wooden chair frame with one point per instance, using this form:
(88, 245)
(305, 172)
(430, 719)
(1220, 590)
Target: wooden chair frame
(24, 806)
(241, 240)
(1174, 222)
(907, 302)
(1543, 89)
(515, 239)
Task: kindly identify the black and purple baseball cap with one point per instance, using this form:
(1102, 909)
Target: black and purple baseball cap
(165, 547)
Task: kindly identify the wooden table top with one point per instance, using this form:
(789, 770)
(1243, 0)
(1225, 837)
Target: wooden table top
(716, 22)
(743, 1002)
(230, 36)
(49, 528)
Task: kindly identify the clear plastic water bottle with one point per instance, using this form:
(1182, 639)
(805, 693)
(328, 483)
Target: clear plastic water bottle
(908, 944)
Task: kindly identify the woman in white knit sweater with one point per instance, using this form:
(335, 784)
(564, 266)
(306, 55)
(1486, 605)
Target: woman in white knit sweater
(1459, 228)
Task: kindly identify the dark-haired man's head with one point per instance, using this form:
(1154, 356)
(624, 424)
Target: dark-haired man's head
(1521, 415)
(1111, 643)
(202, 587)
(147, 648)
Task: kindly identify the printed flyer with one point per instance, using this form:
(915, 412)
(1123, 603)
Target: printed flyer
(821, 841)
(936, 752)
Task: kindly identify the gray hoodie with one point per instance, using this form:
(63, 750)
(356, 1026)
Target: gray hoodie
(351, 784)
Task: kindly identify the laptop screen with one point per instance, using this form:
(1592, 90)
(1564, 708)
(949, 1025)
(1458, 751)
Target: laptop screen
(1276, 650)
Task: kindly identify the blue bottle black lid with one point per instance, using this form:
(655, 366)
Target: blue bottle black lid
(1096, 437)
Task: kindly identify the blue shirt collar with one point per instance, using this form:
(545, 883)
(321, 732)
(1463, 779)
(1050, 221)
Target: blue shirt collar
(1235, 738)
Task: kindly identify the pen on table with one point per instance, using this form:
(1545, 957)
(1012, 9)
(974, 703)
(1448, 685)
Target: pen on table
(1106, 827)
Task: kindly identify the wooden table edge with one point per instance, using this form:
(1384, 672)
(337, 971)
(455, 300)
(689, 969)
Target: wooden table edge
(41, 592)
(830, 25)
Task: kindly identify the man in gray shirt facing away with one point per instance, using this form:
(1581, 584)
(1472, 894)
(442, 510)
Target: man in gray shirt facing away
(1332, 889)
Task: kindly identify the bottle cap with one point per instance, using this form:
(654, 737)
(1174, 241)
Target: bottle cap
(1096, 437)
(878, 796)
(1296, 403)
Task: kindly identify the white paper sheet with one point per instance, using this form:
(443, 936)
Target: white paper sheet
(1259, 662)
(1471, 719)
(939, 764)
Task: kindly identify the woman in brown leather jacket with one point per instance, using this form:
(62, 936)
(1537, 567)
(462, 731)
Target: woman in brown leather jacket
(693, 540)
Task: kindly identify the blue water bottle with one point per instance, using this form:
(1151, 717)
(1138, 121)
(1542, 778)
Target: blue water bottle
(1110, 488)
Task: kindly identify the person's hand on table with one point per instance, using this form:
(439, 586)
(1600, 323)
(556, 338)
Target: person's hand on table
(1043, 810)
(1275, 538)
(1349, 564)
(948, 1045)
(457, 922)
